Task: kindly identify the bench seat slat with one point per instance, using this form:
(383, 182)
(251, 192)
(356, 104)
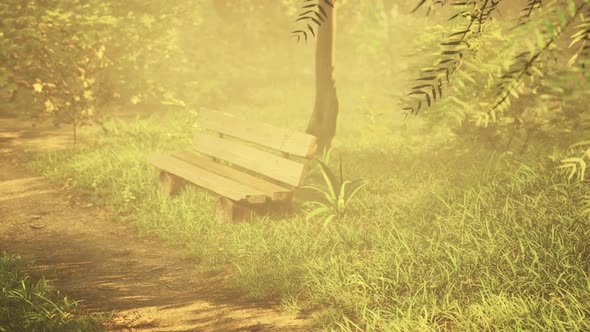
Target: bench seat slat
(271, 190)
(206, 179)
(292, 142)
(261, 162)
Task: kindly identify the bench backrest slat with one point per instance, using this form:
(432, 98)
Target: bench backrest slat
(261, 162)
(292, 142)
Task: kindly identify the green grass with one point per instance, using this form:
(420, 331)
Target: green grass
(442, 237)
(32, 305)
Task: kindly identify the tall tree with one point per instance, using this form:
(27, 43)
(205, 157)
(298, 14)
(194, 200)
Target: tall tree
(322, 123)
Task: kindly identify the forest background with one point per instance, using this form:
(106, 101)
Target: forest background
(460, 127)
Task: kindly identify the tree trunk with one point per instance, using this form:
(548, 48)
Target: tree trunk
(75, 131)
(387, 8)
(325, 113)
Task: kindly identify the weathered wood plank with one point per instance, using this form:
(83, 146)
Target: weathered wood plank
(214, 182)
(292, 142)
(275, 167)
(271, 190)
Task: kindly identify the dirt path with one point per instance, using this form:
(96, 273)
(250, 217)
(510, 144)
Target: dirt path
(148, 285)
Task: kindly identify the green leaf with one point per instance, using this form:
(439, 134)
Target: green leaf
(316, 212)
(571, 7)
(329, 219)
(574, 165)
(354, 192)
(329, 178)
(327, 194)
(579, 144)
(561, 16)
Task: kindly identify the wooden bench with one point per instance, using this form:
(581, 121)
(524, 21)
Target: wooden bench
(252, 166)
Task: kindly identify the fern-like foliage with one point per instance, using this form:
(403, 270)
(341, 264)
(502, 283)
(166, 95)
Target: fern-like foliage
(430, 5)
(581, 38)
(485, 86)
(576, 166)
(547, 32)
(454, 49)
(528, 10)
(313, 13)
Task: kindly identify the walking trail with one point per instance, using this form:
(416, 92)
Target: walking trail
(145, 283)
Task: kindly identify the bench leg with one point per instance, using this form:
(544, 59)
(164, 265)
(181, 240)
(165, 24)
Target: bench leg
(229, 211)
(280, 208)
(169, 184)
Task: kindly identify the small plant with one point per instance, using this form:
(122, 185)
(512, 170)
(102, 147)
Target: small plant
(337, 194)
(577, 165)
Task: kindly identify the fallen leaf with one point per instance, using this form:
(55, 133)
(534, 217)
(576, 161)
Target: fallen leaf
(38, 226)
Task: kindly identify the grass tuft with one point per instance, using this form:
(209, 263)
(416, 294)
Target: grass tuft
(32, 305)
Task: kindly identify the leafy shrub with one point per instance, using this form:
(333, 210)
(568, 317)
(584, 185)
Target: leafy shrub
(492, 84)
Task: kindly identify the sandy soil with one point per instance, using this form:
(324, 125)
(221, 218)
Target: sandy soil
(146, 284)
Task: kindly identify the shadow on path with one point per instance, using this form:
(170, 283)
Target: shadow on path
(147, 284)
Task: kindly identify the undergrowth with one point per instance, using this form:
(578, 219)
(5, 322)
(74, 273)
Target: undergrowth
(32, 305)
(441, 238)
